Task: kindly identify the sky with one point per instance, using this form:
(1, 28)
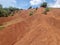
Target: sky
(24, 4)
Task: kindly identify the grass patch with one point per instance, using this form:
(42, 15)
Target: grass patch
(1, 27)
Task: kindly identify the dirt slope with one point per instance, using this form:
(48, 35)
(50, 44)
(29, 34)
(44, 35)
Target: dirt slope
(38, 29)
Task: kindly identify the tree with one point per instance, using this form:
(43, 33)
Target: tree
(30, 7)
(44, 4)
(13, 9)
(1, 6)
(5, 12)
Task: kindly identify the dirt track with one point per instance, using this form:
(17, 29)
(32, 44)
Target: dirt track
(38, 29)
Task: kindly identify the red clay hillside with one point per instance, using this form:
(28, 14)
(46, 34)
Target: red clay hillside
(31, 27)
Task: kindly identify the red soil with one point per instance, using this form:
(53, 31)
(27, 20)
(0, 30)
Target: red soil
(38, 29)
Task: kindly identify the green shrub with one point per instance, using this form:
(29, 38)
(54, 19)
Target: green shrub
(46, 10)
(3, 13)
(31, 13)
